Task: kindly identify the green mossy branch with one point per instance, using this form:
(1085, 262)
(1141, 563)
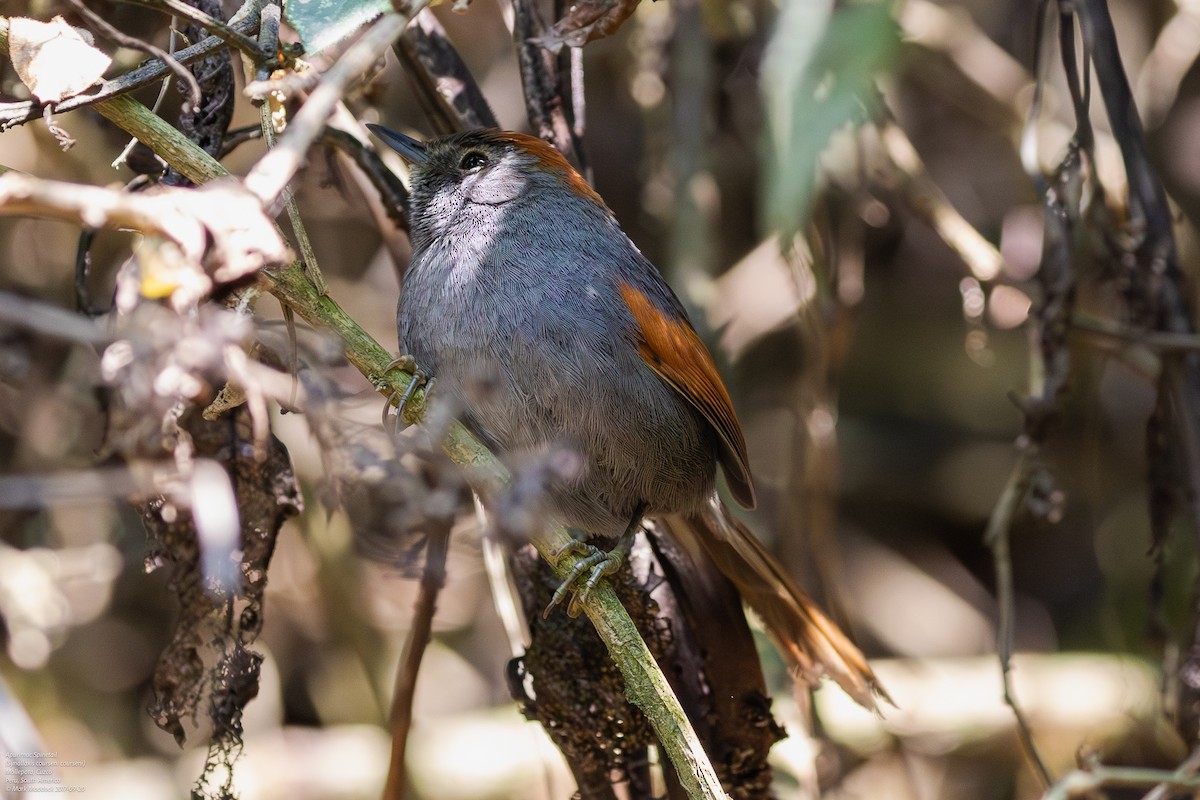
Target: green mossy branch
(645, 685)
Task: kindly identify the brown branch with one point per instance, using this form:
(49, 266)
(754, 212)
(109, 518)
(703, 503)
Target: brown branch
(446, 87)
(997, 539)
(273, 172)
(229, 35)
(109, 32)
(246, 21)
(1161, 341)
(391, 190)
(221, 220)
(433, 578)
(539, 76)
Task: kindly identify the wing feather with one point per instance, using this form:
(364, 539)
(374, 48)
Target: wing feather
(672, 348)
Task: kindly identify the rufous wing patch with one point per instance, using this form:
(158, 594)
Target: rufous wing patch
(674, 351)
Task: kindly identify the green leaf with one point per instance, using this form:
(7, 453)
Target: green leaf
(818, 75)
(322, 23)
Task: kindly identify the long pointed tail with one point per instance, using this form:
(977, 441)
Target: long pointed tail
(809, 640)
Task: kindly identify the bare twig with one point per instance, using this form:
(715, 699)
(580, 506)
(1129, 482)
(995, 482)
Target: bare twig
(446, 87)
(951, 30)
(433, 578)
(239, 136)
(109, 32)
(246, 21)
(1082, 783)
(1172, 56)
(1162, 341)
(268, 38)
(997, 538)
(1048, 375)
(48, 320)
(270, 175)
(221, 220)
(123, 156)
(1187, 769)
(539, 76)
(578, 99)
(308, 256)
(82, 486)
(391, 190)
(1157, 292)
(229, 35)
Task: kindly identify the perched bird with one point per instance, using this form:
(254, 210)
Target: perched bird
(537, 314)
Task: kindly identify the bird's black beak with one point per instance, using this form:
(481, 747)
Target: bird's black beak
(409, 148)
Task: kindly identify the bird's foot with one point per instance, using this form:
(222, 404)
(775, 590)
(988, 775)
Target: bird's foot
(420, 378)
(596, 564)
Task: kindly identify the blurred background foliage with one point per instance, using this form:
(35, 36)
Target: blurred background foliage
(872, 367)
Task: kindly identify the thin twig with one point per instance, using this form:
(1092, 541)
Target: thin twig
(271, 174)
(109, 32)
(1161, 75)
(997, 538)
(47, 320)
(1162, 341)
(123, 156)
(308, 256)
(222, 222)
(238, 137)
(1160, 278)
(1082, 783)
(268, 38)
(433, 578)
(1187, 769)
(245, 20)
(578, 98)
(391, 191)
(1049, 362)
(229, 35)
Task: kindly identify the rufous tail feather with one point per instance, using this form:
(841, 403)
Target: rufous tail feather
(812, 644)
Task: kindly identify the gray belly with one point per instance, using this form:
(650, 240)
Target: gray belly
(536, 377)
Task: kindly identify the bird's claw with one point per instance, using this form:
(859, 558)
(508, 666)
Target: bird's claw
(421, 378)
(599, 563)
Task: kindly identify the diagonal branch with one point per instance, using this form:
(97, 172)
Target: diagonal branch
(445, 86)
(230, 36)
(244, 21)
(273, 172)
(109, 32)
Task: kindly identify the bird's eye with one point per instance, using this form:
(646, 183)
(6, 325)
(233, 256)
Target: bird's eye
(472, 161)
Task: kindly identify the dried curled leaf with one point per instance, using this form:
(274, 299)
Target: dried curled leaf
(195, 238)
(586, 21)
(53, 59)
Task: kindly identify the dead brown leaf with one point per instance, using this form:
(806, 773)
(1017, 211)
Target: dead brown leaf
(53, 59)
(586, 21)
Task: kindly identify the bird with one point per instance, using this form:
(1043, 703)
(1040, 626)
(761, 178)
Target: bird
(540, 319)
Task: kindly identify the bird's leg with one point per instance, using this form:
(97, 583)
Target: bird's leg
(405, 363)
(596, 561)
